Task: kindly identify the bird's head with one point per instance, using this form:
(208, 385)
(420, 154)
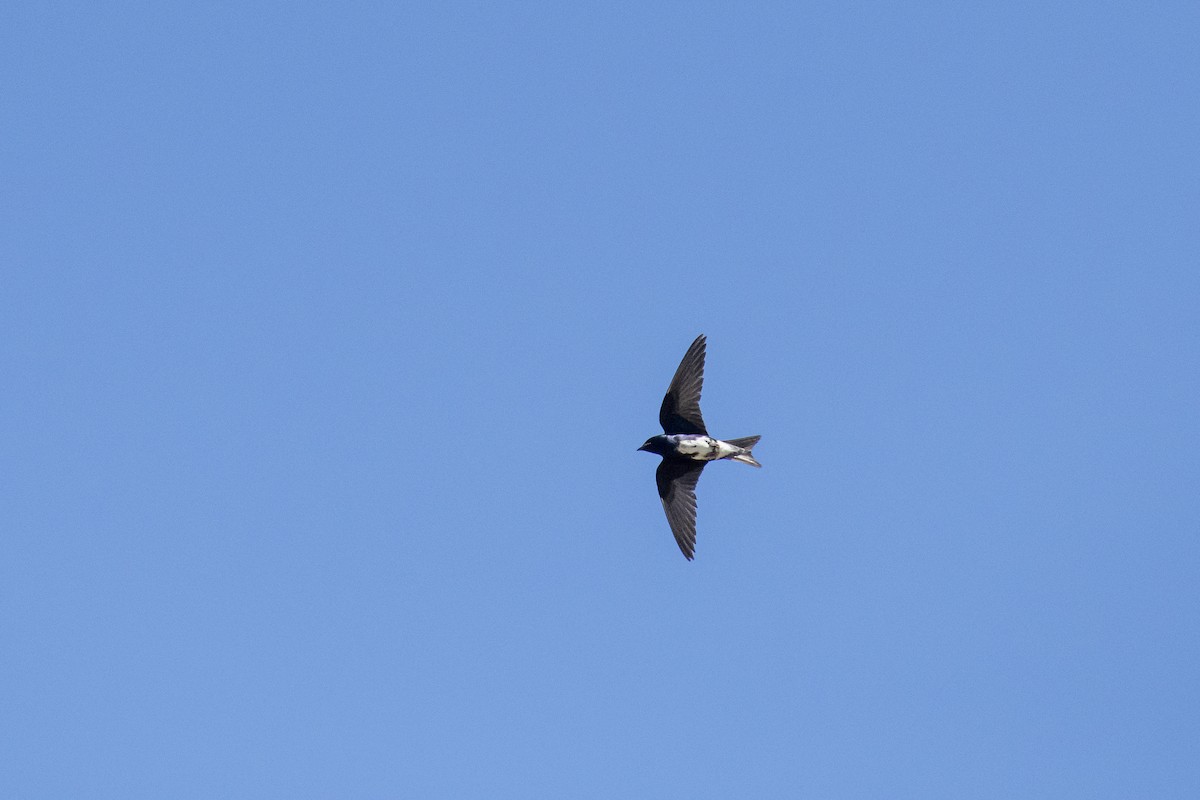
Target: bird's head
(652, 445)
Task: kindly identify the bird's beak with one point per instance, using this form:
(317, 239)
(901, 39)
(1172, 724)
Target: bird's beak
(643, 447)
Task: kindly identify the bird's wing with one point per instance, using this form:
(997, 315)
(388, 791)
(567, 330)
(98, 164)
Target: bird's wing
(680, 412)
(677, 489)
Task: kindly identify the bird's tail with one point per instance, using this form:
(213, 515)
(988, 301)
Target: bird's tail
(746, 443)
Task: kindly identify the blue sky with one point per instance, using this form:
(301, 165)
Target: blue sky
(329, 332)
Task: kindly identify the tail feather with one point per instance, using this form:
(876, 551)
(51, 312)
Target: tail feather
(746, 443)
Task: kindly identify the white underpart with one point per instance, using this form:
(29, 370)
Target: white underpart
(707, 449)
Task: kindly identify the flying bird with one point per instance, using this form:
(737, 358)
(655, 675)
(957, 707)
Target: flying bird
(686, 447)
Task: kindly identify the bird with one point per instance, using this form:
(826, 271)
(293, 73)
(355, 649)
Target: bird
(686, 447)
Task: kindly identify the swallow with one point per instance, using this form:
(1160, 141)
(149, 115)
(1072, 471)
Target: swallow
(686, 447)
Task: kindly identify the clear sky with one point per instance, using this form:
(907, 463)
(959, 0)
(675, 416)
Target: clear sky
(328, 334)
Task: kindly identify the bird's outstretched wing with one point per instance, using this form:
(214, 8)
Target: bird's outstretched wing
(680, 412)
(677, 489)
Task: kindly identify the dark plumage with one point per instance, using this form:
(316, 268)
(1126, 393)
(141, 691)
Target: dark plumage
(686, 447)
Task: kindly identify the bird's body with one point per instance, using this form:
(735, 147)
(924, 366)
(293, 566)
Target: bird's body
(698, 447)
(686, 447)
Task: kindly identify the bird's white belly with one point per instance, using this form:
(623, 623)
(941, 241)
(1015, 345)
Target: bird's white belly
(706, 448)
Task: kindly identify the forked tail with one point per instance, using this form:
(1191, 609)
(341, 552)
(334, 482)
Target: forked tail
(746, 443)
